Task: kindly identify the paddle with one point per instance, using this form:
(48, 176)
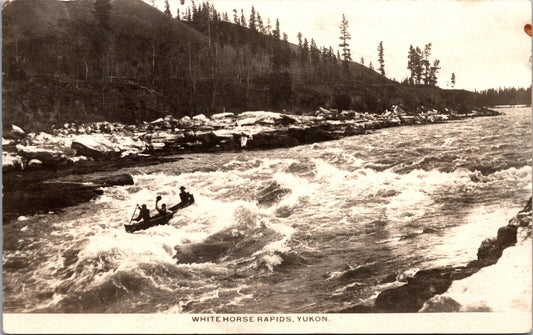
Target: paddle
(134, 211)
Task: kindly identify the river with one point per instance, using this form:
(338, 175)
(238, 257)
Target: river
(315, 228)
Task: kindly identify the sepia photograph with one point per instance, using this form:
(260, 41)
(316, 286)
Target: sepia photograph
(229, 166)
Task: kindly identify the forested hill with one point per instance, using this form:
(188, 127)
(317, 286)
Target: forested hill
(124, 60)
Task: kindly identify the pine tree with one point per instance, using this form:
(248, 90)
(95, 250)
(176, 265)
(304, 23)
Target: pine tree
(300, 43)
(344, 38)
(314, 52)
(167, 8)
(370, 66)
(381, 59)
(419, 69)
(411, 63)
(235, 17)
(285, 37)
(251, 22)
(194, 12)
(304, 54)
(243, 19)
(426, 64)
(452, 80)
(433, 70)
(277, 32)
(268, 27)
(362, 61)
(178, 15)
(260, 26)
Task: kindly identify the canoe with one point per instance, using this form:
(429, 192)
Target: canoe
(159, 219)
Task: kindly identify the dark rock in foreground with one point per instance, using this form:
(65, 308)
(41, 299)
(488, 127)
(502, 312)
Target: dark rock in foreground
(425, 284)
(410, 297)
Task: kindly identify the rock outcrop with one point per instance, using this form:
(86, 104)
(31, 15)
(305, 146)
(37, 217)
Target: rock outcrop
(425, 284)
(48, 157)
(93, 147)
(51, 196)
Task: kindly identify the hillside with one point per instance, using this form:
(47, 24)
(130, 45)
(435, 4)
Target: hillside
(62, 64)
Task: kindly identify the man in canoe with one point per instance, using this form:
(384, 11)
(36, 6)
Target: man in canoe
(163, 208)
(185, 197)
(144, 214)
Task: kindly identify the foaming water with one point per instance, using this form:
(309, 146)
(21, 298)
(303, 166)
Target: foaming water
(308, 229)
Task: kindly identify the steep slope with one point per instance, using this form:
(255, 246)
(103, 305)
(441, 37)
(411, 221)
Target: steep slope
(44, 33)
(61, 64)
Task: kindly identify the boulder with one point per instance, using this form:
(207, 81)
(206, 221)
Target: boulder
(78, 159)
(221, 116)
(49, 157)
(11, 162)
(441, 304)
(9, 145)
(201, 117)
(506, 236)
(491, 248)
(523, 218)
(207, 138)
(247, 121)
(6, 141)
(163, 137)
(489, 251)
(160, 120)
(95, 147)
(224, 134)
(268, 118)
(289, 119)
(185, 122)
(410, 297)
(35, 163)
(16, 132)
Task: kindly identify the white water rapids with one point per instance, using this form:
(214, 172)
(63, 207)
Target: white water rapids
(313, 228)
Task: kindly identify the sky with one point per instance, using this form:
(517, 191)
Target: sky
(483, 42)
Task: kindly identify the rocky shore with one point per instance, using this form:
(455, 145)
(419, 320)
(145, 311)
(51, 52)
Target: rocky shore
(426, 290)
(31, 160)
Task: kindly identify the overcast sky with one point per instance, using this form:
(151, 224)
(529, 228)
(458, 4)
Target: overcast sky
(482, 41)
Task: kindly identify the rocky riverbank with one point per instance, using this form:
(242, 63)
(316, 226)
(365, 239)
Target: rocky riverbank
(433, 290)
(29, 159)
